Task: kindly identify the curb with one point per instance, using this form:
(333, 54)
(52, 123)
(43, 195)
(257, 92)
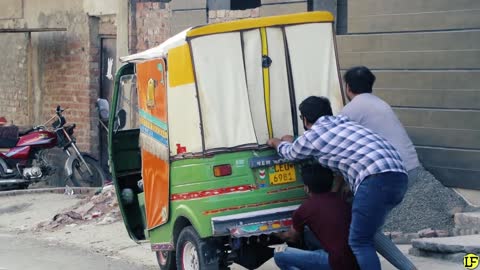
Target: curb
(452, 257)
(58, 190)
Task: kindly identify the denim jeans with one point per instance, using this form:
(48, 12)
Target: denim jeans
(386, 247)
(374, 199)
(296, 259)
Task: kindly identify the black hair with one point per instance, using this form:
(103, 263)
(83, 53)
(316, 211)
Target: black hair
(317, 178)
(359, 79)
(313, 108)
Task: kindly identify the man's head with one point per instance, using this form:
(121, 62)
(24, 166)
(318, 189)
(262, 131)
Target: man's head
(358, 80)
(317, 179)
(313, 108)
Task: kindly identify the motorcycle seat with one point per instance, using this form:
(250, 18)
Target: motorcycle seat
(8, 143)
(8, 136)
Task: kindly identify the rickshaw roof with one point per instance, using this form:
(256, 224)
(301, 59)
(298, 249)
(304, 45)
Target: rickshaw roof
(161, 50)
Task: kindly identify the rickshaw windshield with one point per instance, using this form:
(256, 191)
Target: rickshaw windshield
(128, 102)
(250, 83)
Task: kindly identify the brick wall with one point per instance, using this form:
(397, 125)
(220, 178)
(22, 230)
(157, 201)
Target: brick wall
(14, 103)
(70, 77)
(64, 65)
(215, 16)
(152, 24)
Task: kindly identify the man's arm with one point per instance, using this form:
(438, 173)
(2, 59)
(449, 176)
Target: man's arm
(301, 148)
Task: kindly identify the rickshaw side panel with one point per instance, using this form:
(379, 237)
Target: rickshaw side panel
(200, 197)
(152, 102)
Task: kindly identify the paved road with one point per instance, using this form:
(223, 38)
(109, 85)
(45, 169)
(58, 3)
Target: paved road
(20, 253)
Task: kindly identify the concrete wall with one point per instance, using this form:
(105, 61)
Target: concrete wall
(154, 22)
(100, 8)
(425, 55)
(14, 96)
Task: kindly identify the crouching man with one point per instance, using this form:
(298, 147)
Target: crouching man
(327, 216)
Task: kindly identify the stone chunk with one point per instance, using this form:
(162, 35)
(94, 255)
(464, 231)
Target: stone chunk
(427, 233)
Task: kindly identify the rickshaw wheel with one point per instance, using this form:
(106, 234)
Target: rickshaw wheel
(191, 251)
(166, 260)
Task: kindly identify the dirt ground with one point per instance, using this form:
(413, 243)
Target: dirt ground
(19, 252)
(21, 215)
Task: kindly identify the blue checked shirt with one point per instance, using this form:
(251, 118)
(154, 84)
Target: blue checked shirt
(345, 146)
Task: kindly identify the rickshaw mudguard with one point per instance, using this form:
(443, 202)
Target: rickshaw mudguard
(161, 238)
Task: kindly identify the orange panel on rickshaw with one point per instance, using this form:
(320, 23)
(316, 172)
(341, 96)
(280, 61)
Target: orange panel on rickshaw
(151, 82)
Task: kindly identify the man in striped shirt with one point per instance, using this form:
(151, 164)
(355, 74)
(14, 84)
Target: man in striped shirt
(371, 166)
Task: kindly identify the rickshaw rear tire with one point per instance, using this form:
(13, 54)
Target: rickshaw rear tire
(208, 258)
(166, 260)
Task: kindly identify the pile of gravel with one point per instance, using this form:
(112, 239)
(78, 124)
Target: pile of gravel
(427, 204)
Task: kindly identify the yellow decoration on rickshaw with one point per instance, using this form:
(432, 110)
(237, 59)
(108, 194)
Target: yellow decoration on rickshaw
(151, 94)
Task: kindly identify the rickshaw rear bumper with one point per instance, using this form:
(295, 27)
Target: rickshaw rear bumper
(254, 223)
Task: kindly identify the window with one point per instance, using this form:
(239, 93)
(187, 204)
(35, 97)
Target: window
(244, 4)
(128, 101)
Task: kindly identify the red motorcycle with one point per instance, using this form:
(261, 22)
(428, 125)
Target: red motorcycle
(24, 159)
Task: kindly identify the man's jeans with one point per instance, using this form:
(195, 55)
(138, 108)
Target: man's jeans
(374, 199)
(386, 247)
(295, 259)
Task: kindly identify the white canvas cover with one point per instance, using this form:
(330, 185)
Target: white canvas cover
(279, 92)
(279, 97)
(183, 119)
(222, 90)
(252, 46)
(313, 61)
(159, 51)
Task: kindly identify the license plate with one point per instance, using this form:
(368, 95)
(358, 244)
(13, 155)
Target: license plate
(282, 174)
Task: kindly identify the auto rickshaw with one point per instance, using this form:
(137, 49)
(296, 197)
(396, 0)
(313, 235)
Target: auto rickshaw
(187, 139)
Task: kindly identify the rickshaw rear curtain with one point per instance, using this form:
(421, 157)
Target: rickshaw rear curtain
(231, 80)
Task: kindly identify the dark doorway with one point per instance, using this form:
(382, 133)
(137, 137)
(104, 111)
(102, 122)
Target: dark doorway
(108, 53)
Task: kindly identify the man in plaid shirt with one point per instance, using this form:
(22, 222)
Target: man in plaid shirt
(372, 167)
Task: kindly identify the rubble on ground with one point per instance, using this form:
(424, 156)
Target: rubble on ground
(427, 204)
(100, 209)
(406, 238)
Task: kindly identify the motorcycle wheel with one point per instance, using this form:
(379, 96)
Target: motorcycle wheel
(82, 178)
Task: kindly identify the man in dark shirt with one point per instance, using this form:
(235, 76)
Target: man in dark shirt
(328, 217)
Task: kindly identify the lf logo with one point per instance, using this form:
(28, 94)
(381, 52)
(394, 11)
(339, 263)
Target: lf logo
(470, 261)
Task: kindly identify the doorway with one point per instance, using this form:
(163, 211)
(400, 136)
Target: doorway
(108, 59)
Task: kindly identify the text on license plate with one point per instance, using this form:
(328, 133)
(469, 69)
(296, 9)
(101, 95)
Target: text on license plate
(282, 174)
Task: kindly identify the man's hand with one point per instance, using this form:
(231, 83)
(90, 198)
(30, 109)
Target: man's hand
(340, 186)
(291, 236)
(281, 235)
(274, 142)
(280, 248)
(287, 138)
(338, 183)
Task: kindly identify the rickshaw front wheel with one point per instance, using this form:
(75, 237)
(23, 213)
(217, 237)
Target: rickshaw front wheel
(194, 253)
(166, 260)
